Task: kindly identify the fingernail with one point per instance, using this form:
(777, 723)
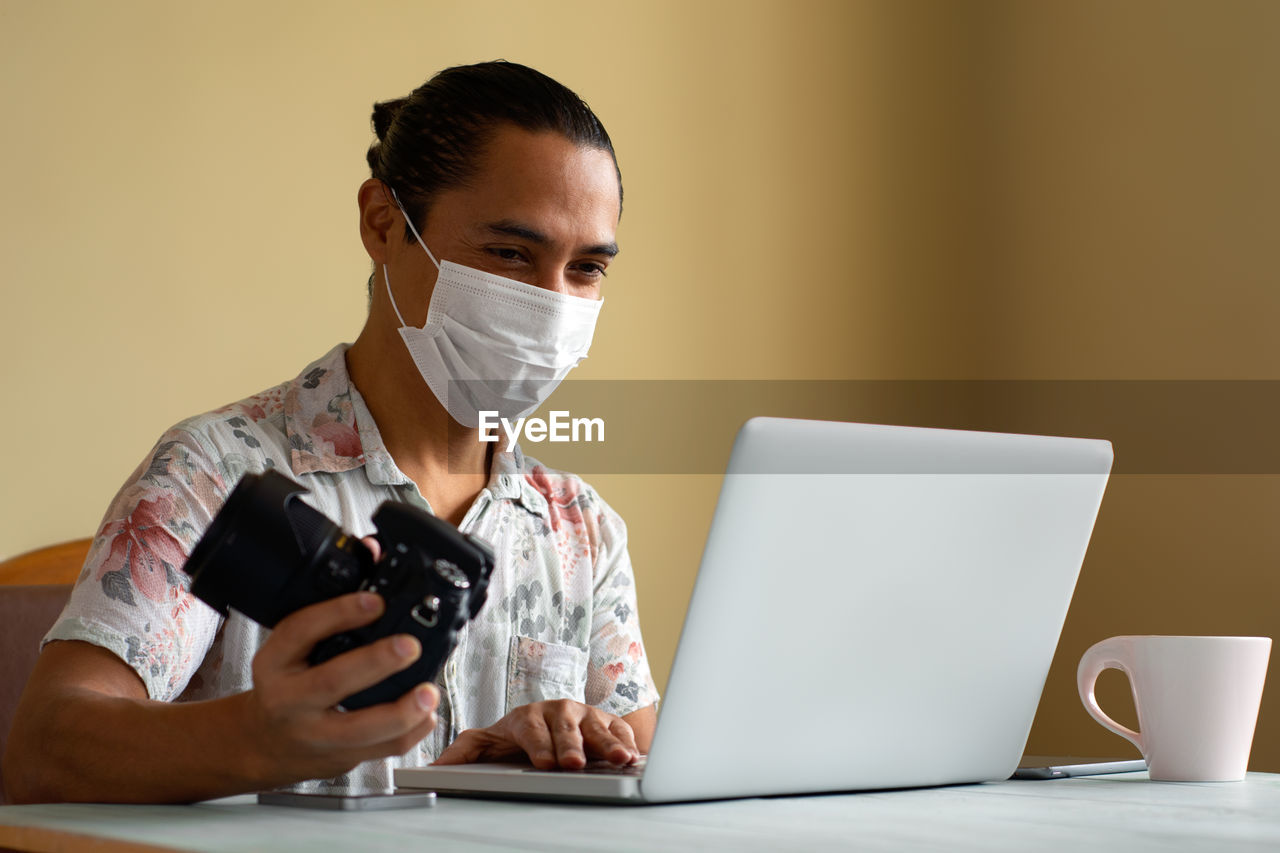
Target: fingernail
(370, 602)
(426, 697)
(406, 646)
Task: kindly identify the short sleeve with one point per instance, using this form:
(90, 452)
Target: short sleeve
(132, 597)
(618, 677)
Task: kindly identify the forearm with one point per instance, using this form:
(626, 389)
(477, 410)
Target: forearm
(85, 729)
(81, 745)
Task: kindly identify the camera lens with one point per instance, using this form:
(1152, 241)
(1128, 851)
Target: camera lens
(267, 553)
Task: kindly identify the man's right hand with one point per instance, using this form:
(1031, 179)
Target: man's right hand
(85, 728)
(292, 703)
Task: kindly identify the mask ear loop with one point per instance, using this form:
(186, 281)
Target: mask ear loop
(416, 235)
(386, 278)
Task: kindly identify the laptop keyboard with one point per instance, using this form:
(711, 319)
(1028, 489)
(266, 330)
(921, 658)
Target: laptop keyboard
(603, 768)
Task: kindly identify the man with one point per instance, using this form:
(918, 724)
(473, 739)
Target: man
(495, 190)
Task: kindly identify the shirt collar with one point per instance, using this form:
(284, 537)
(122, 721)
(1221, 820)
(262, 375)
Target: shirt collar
(331, 430)
(509, 480)
(320, 418)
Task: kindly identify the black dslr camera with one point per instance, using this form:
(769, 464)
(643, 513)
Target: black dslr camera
(268, 554)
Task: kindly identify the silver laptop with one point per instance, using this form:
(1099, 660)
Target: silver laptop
(876, 607)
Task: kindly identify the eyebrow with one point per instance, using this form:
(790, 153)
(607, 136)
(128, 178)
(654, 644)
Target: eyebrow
(508, 228)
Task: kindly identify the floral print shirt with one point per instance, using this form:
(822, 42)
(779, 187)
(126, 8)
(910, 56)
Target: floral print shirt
(560, 621)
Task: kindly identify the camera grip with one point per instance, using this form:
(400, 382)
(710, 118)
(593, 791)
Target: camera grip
(438, 642)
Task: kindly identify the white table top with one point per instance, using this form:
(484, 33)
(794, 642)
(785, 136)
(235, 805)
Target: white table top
(1121, 812)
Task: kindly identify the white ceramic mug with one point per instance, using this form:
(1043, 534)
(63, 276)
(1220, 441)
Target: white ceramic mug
(1197, 700)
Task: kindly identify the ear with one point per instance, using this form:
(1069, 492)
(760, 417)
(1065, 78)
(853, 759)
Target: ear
(380, 221)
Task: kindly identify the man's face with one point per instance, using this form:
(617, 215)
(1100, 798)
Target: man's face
(540, 210)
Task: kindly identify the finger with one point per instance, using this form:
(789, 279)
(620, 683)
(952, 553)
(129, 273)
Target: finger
(467, 748)
(480, 745)
(297, 634)
(622, 730)
(339, 677)
(349, 741)
(602, 741)
(374, 546)
(458, 752)
(528, 729)
(405, 743)
(389, 728)
(566, 737)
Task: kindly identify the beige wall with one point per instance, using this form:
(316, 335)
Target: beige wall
(814, 190)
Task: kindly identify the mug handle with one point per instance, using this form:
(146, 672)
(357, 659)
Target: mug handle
(1104, 655)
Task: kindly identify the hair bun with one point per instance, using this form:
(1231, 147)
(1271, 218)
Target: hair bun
(384, 115)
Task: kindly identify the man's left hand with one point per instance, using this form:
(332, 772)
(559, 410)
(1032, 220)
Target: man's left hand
(557, 734)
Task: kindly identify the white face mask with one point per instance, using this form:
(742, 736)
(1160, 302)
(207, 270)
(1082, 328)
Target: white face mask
(492, 343)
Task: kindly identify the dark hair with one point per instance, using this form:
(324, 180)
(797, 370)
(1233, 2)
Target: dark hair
(433, 139)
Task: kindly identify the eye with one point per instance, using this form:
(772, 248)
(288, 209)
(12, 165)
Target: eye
(505, 253)
(592, 269)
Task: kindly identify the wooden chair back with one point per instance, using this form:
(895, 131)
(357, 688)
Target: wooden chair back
(54, 564)
(33, 590)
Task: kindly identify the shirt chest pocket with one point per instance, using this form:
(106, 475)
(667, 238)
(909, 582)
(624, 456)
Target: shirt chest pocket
(538, 671)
